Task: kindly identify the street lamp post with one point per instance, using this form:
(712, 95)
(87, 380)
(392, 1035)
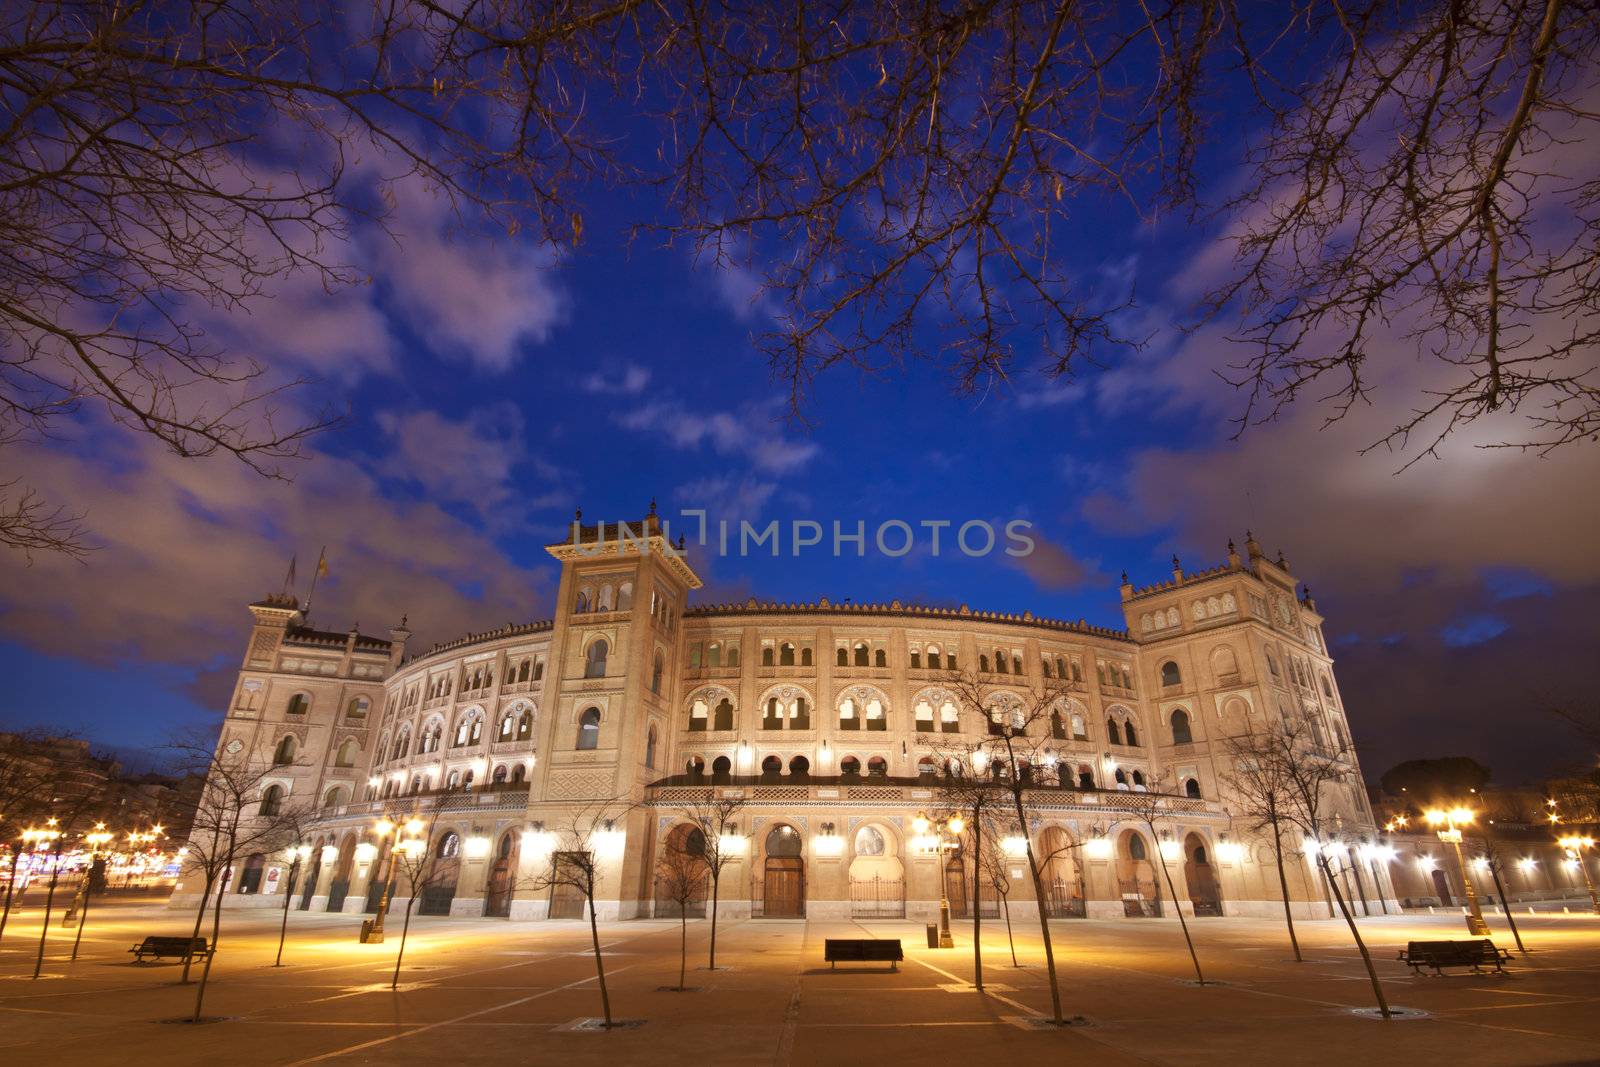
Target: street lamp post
(952, 825)
(372, 929)
(1450, 823)
(1576, 846)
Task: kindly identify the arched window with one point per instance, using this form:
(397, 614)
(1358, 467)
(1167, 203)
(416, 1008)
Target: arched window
(983, 662)
(768, 656)
(1080, 732)
(786, 655)
(799, 767)
(1169, 674)
(594, 661)
(926, 767)
(1132, 736)
(862, 653)
(452, 780)
(449, 846)
(284, 753)
(271, 800)
(1191, 788)
(538, 670)
(724, 715)
(850, 767)
(949, 718)
(916, 658)
(1121, 778)
(844, 657)
(589, 730)
(1113, 733)
(721, 768)
(624, 596)
(1000, 664)
(1136, 847)
(508, 726)
(714, 654)
(805, 657)
(518, 774)
(1058, 729)
(1085, 777)
(525, 726)
(501, 773)
(923, 713)
(657, 668)
(650, 748)
(357, 708)
(466, 779)
(299, 704)
(771, 767)
(334, 797)
(848, 719)
(875, 717)
(878, 767)
(346, 756)
(699, 716)
(880, 658)
(1181, 734)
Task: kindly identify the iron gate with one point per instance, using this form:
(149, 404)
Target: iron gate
(877, 898)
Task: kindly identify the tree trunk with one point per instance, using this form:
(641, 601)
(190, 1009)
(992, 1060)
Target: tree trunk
(1044, 912)
(1172, 891)
(405, 928)
(288, 895)
(683, 944)
(1500, 891)
(716, 879)
(1283, 885)
(199, 917)
(977, 901)
(1350, 920)
(211, 954)
(11, 885)
(1005, 902)
(83, 920)
(49, 899)
(599, 961)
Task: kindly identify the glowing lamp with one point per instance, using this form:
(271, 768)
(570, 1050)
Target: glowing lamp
(1014, 845)
(366, 852)
(920, 824)
(956, 824)
(1097, 848)
(1230, 851)
(828, 845)
(476, 848)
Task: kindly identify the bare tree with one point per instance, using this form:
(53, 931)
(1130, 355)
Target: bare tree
(1495, 859)
(1264, 798)
(1154, 808)
(681, 878)
(1313, 771)
(978, 801)
(880, 171)
(1007, 759)
(575, 867)
(717, 814)
(238, 813)
(994, 866)
(416, 856)
(25, 794)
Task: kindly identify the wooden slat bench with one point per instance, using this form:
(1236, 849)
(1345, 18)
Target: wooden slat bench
(863, 950)
(1440, 954)
(179, 947)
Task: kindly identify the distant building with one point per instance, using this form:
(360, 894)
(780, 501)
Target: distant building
(825, 717)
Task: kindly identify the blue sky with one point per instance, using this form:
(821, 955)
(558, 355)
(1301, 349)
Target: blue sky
(492, 387)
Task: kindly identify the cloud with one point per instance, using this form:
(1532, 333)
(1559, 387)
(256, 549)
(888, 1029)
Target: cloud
(1051, 566)
(629, 381)
(186, 544)
(469, 460)
(754, 433)
(480, 301)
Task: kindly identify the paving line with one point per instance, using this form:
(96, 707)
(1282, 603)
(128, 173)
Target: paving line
(424, 1028)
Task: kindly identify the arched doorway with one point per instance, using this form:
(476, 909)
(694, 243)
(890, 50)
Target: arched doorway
(339, 888)
(783, 890)
(877, 877)
(250, 876)
(439, 891)
(771, 769)
(1063, 878)
(1204, 893)
(686, 844)
(502, 877)
(1136, 877)
(721, 770)
(308, 876)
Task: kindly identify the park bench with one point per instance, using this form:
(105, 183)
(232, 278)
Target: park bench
(179, 947)
(863, 950)
(1440, 954)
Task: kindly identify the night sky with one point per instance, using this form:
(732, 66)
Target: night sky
(490, 387)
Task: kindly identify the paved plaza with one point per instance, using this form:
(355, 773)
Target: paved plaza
(484, 991)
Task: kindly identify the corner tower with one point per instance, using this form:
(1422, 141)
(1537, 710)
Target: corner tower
(615, 651)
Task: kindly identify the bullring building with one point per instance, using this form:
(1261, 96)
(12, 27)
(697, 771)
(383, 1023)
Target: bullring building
(827, 719)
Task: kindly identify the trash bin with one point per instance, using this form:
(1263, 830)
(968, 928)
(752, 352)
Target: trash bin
(933, 935)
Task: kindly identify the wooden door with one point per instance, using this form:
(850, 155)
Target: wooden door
(499, 898)
(955, 889)
(785, 889)
(1441, 885)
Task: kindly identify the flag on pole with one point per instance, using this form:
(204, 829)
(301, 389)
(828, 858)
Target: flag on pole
(322, 564)
(288, 579)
